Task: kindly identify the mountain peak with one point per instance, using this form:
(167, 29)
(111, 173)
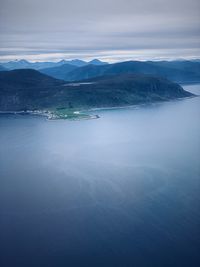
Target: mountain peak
(62, 61)
(97, 62)
(23, 61)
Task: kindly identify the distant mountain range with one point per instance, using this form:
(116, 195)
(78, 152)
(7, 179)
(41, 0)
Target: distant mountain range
(178, 71)
(24, 64)
(59, 72)
(181, 71)
(29, 89)
(2, 68)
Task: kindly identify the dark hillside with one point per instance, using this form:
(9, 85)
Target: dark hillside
(30, 89)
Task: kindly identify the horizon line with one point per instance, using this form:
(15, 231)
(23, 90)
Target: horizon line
(99, 59)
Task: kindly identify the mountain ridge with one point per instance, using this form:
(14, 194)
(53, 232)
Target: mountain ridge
(178, 72)
(181, 71)
(30, 89)
(25, 64)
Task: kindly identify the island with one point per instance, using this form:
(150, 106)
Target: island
(29, 91)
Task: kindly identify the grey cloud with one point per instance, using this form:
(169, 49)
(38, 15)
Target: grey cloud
(84, 27)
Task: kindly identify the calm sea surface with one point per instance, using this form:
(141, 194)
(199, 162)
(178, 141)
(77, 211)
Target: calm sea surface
(119, 191)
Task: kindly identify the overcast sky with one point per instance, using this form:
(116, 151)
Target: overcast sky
(111, 30)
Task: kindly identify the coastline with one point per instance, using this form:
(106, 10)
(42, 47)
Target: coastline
(141, 104)
(67, 114)
(52, 116)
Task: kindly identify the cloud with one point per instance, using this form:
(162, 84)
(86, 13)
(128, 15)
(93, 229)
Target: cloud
(57, 29)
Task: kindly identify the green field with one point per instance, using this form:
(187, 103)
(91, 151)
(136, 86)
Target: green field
(68, 113)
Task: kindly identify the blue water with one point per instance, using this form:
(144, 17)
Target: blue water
(119, 191)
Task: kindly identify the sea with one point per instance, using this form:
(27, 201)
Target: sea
(119, 191)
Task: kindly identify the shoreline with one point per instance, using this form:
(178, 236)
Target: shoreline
(51, 116)
(82, 114)
(140, 105)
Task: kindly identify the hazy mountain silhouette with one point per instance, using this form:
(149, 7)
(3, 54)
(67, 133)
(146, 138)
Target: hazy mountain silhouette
(2, 68)
(24, 64)
(59, 72)
(179, 71)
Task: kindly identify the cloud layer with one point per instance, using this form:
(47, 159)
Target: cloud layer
(108, 29)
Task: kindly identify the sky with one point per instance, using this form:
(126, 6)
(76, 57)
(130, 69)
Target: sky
(111, 30)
